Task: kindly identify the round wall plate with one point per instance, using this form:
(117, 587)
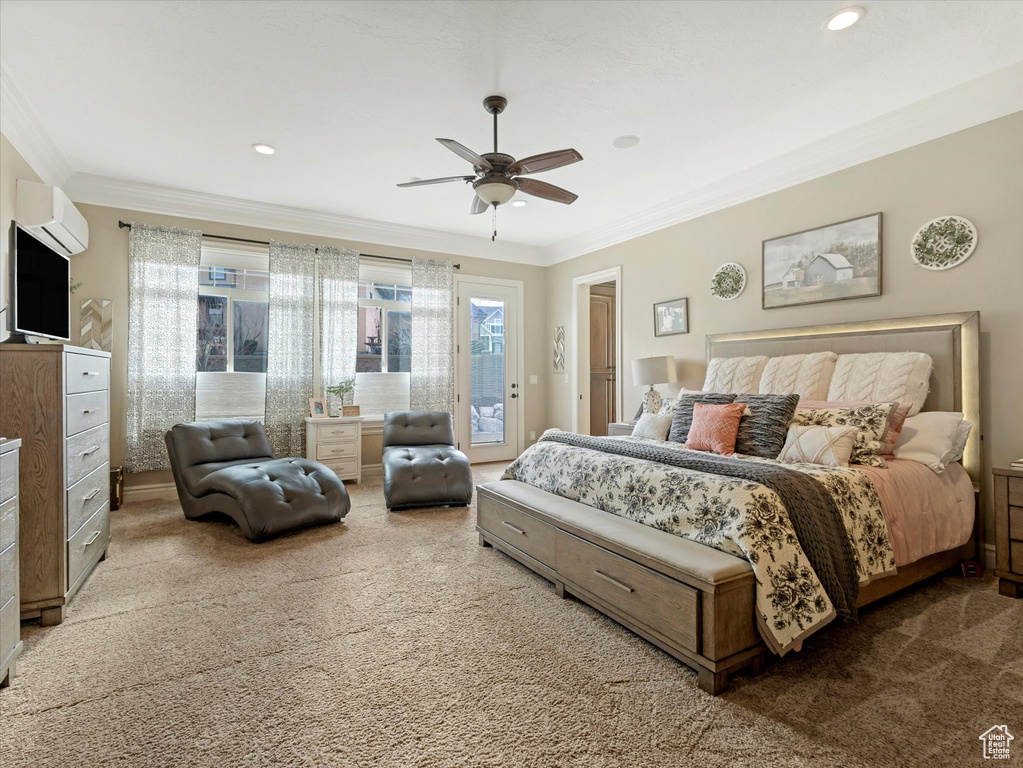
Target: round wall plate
(729, 281)
(944, 242)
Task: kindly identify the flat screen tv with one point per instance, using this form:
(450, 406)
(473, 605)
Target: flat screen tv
(40, 289)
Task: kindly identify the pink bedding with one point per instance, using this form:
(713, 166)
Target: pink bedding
(926, 513)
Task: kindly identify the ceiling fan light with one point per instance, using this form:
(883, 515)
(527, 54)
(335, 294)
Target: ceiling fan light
(493, 192)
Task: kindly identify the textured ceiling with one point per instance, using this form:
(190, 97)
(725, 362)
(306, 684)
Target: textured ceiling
(352, 94)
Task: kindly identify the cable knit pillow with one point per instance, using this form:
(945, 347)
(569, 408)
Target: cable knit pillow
(904, 377)
(734, 374)
(871, 421)
(763, 429)
(828, 446)
(807, 375)
(683, 417)
(714, 428)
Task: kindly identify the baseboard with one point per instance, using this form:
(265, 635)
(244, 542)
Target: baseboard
(150, 492)
(372, 470)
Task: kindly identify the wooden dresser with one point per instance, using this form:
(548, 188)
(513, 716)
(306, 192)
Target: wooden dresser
(1009, 531)
(336, 442)
(57, 401)
(10, 624)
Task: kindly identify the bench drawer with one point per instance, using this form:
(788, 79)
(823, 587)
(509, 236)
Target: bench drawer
(336, 431)
(86, 411)
(329, 451)
(86, 373)
(86, 496)
(345, 470)
(86, 545)
(8, 475)
(8, 573)
(663, 604)
(87, 451)
(524, 532)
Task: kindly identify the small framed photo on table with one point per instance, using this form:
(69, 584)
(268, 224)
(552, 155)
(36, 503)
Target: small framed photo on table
(671, 317)
(318, 408)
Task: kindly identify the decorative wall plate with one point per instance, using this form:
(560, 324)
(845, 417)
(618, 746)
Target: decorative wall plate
(944, 242)
(728, 281)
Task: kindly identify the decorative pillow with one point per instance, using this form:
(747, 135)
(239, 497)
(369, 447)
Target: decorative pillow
(870, 420)
(828, 446)
(928, 437)
(763, 429)
(958, 443)
(894, 424)
(714, 428)
(653, 425)
(807, 375)
(734, 374)
(903, 377)
(683, 417)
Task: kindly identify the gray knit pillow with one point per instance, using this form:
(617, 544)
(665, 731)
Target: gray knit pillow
(683, 419)
(765, 425)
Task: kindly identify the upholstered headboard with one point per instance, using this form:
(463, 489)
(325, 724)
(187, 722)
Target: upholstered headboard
(952, 341)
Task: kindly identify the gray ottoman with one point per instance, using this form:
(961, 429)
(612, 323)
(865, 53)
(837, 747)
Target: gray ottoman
(228, 467)
(422, 467)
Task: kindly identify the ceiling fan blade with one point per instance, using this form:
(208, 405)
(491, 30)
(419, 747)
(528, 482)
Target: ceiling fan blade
(546, 191)
(547, 161)
(423, 182)
(466, 154)
(478, 206)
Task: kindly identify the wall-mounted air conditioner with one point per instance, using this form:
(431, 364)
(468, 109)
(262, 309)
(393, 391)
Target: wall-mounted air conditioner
(50, 215)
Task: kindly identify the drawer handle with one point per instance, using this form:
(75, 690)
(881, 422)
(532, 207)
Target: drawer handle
(88, 410)
(89, 497)
(513, 527)
(90, 373)
(617, 583)
(91, 539)
(90, 450)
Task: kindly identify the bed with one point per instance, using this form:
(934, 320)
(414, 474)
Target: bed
(708, 605)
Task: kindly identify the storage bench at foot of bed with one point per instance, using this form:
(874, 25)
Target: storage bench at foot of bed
(693, 602)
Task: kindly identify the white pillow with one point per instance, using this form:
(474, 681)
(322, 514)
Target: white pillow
(653, 425)
(958, 443)
(928, 437)
(828, 446)
(807, 375)
(735, 375)
(901, 377)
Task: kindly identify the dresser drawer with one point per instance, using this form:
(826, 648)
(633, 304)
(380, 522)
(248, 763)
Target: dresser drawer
(1016, 491)
(524, 532)
(8, 475)
(1016, 557)
(86, 451)
(1016, 523)
(8, 523)
(336, 431)
(86, 373)
(663, 604)
(8, 573)
(86, 545)
(10, 627)
(345, 470)
(328, 451)
(85, 411)
(86, 496)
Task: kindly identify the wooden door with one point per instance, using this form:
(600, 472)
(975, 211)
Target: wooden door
(602, 358)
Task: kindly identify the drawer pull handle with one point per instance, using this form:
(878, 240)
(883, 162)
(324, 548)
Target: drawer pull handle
(89, 497)
(617, 583)
(513, 527)
(90, 373)
(90, 450)
(87, 410)
(91, 539)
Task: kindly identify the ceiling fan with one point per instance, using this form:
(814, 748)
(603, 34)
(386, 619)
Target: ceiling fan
(496, 176)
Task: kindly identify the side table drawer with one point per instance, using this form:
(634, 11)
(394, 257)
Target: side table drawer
(1016, 491)
(1016, 523)
(336, 431)
(1016, 557)
(333, 451)
(345, 470)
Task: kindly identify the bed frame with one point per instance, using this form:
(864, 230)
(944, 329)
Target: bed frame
(706, 621)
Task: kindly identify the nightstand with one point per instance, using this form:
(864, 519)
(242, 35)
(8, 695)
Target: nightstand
(619, 428)
(1009, 531)
(336, 442)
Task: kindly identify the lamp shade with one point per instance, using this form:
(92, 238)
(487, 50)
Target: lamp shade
(653, 370)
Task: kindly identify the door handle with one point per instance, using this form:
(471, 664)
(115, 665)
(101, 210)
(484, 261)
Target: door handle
(514, 395)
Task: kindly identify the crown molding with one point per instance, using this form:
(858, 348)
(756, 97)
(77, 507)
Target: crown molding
(978, 101)
(22, 127)
(151, 198)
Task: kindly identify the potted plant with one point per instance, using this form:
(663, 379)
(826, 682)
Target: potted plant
(345, 391)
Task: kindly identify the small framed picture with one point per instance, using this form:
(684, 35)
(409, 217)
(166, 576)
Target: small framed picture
(318, 408)
(671, 317)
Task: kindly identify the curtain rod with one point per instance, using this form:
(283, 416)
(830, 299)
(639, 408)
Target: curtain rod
(126, 225)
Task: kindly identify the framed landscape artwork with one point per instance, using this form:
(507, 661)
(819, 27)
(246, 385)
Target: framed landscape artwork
(671, 317)
(831, 263)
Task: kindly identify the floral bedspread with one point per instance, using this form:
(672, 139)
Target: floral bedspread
(739, 517)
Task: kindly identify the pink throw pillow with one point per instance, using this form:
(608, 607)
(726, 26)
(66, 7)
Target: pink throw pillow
(714, 428)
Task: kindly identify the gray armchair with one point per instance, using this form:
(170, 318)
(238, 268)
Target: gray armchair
(228, 467)
(422, 467)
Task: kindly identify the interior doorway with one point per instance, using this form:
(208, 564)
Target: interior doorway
(596, 349)
(603, 357)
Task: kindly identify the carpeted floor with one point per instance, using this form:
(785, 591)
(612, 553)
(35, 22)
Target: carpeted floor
(395, 640)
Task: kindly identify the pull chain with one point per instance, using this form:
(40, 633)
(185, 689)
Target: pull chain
(492, 239)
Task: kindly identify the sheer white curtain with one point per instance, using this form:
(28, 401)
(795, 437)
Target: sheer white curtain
(433, 317)
(163, 285)
(289, 354)
(339, 316)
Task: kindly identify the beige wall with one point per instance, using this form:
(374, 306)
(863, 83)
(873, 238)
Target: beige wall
(977, 173)
(12, 168)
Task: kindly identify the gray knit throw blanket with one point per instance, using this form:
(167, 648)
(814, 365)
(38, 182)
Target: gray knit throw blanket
(815, 518)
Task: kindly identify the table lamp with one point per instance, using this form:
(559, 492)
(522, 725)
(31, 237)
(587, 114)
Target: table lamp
(652, 371)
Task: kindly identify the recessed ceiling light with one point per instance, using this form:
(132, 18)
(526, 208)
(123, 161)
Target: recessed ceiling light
(264, 149)
(626, 142)
(519, 203)
(843, 19)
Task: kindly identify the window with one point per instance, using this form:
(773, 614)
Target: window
(385, 327)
